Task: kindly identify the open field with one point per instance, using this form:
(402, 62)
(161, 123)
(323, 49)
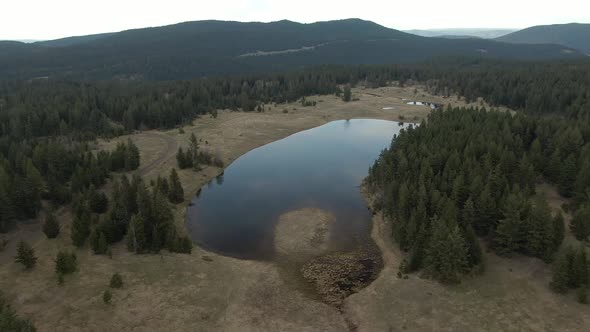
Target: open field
(205, 291)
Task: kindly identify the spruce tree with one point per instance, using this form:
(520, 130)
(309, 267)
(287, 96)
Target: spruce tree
(97, 201)
(540, 238)
(567, 176)
(107, 296)
(116, 281)
(580, 224)
(131, 156)
(80, 227)
(162, 185)
(51, 226)
(7, 213)
(347, 96)
(486, 216)
(136, 239)
(506, 236)
(176, 193)
(446, 259)
(580, 268)
(25, 255)
(418, 251)
(98, 242)
(560, 279)
(65, 263)
(558, 230)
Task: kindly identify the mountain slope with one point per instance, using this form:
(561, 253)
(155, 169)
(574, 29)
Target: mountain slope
(574, 35)
(206, 48)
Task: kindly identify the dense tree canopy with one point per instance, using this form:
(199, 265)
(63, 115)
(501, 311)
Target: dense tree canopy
(467, 172)
(42, 108)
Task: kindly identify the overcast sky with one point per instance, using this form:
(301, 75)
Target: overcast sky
(50, 19)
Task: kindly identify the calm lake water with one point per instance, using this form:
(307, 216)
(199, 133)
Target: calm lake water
(322, 167)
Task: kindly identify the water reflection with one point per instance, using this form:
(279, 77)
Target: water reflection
(321, 167)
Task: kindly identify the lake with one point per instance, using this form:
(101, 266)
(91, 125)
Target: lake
(322, 168)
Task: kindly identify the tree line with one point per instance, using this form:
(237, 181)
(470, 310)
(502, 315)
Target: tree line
(42, 108)
(467, 174)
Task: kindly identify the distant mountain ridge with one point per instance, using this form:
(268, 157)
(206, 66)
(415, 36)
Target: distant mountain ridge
(207, 48)
(462, 32)
(574, 35)
(75, 40)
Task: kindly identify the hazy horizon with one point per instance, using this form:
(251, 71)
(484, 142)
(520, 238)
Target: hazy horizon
(65, 18)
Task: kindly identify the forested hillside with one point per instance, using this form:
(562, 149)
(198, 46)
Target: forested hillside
(574, 35)
(465, 174)
(47, 108)
(208, 48)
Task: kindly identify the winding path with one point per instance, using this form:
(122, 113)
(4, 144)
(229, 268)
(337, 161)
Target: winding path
(165, 155)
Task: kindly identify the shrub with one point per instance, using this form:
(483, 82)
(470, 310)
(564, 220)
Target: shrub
(66, 263)
(98, 242)
(182, 245)
(25, 255)
(107, 296)
(51, 226)
(116, 281)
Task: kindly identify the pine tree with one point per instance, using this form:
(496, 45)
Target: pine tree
(446, 258)
(136, 239)
(580, 268)
(567, 176)
(580, 224)
(97, 201)
(28, 191)
(347, 96)
(539, 225)
(51, 226)
(160, 223)
(131, 156)
(65, 263)
(7, 212)
(418, 251)
(80, 227)
(486, 216)
(184, 159)
(116, 281)
(176, 193)
(107, 296)
(98, 242)
(162, 185)
(25, 255)
(558, 230)
(506, 236)
(554, 166)
(560, 279)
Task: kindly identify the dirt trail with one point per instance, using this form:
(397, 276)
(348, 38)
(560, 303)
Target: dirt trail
(165, 155)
